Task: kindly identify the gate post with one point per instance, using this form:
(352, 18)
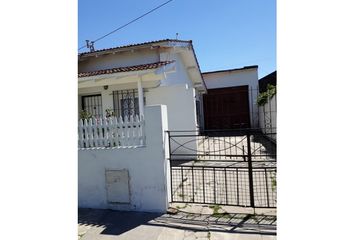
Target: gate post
(250, 171)
(170, 163)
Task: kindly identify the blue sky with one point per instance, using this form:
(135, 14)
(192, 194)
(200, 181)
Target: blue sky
(225, 33)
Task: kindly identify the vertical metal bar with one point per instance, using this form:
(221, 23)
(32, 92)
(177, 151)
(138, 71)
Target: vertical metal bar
(169, 150)
(243, 153)
(213, 148)
(203, 185)
(226, 186)
(237, 191)
(266, 181)
(231, 148)
(82, 103)
(250, 172)
(270, 114)
(209, 148)
(97, 105)
(214, 187)
(264, 120)
(192, 184)
(90, 105)
(171, 181)
(114, 103)
(117, 103)
(219, 147)
(203, 139)
(252, 115)
(182, 184)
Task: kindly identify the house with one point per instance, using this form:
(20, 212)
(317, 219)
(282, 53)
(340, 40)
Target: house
(136, 103)
(230, 102)
(268, 79)
(144, 89)
(124, 79)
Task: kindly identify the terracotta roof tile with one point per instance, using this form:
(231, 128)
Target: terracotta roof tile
(126, 69)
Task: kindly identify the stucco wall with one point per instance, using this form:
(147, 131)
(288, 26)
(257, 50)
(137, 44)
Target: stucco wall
(238, 78)
(180, 102)
(120, 59)
(180, 76)
(181, 108)
(146, 166)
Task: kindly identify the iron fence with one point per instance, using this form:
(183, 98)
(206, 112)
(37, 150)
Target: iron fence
(223, 167)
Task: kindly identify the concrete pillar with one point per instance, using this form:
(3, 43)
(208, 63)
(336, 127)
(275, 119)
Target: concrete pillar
(141, 97)
(107, 100)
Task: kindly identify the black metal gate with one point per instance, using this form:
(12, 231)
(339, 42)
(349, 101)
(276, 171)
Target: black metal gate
(223, 167)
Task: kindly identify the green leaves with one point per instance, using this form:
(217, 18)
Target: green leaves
(262, 98)
(84, 114)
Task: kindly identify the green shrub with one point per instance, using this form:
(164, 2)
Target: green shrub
(262, 98)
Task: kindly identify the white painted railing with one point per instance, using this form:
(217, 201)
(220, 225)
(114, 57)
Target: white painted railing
(111, 132)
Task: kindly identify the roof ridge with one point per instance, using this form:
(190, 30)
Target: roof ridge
(232, 69)
(134, 45)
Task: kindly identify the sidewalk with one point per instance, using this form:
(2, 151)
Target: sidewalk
(108, 224)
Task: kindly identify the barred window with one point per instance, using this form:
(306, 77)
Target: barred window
(126, 103)
(92, 104)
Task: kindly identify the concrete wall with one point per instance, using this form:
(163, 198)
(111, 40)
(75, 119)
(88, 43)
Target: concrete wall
(238, 78)
(181, 108)
(144, 169)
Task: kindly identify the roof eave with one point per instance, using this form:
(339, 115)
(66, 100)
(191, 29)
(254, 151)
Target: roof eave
(152, 44)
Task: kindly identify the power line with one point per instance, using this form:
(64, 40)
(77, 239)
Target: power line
(115, 30)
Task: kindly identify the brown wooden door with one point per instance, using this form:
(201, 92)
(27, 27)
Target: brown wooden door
(226, 108)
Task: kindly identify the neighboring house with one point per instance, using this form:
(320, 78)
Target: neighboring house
(268, 111)
(269, 79)
(230, 102)
(125, 79)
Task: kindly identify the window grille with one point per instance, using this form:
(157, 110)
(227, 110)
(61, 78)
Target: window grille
(92, 104)
(126, 103)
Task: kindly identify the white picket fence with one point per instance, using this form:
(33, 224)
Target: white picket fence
(111, 132)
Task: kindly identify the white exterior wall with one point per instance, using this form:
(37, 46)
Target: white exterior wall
(180, 102)
(147, 169)
(234, 79)
(120, 59)
(180, 76)
(181, 109)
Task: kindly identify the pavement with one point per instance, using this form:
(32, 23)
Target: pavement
(186, 222)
